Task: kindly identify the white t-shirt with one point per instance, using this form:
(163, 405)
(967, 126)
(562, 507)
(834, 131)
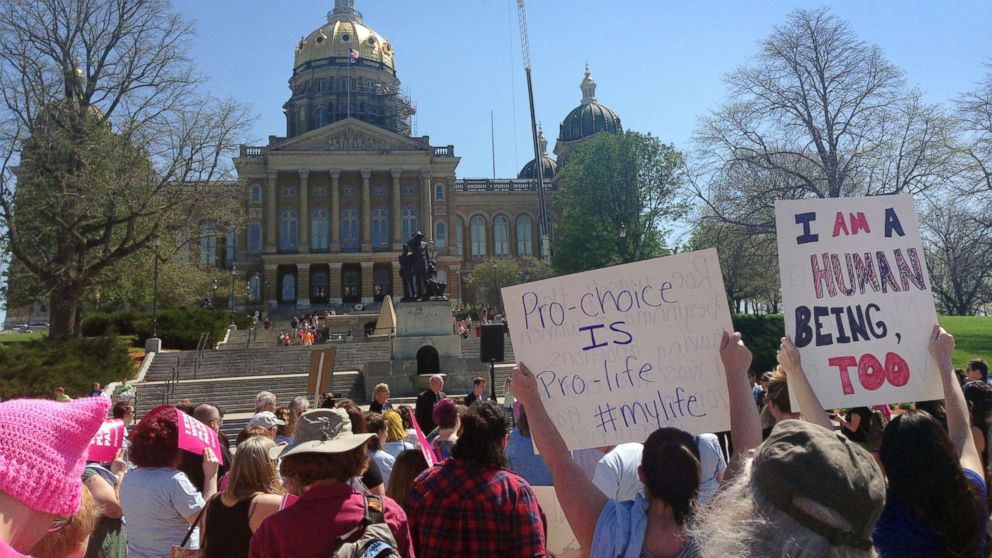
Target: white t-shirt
(616, 472)
(157, 502)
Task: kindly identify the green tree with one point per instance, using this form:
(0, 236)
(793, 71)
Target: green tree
(748, 262)
(110, 139)
(488, 277)
(618, 192)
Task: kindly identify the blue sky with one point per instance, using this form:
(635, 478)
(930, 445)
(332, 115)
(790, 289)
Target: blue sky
(659, 65)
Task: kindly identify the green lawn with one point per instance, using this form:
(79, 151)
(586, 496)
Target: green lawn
(21, 337)
(973, 335)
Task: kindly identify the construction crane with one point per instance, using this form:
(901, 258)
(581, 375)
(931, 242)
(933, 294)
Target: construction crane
(545, 236)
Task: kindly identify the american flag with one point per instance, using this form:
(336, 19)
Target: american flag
(354, 54)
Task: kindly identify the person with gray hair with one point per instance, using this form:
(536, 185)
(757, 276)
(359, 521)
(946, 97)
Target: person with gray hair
(299, 405)
(265, 401)
(426, 401)
(805, 491)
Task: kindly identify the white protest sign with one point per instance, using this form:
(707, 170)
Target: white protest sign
(561, 540)
(857, 300)
(622, 351)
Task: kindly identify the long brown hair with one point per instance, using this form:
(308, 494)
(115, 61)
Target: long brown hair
(925, 476)
(409, 464)
(253, 471)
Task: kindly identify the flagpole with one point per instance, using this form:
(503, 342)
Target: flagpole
(349, 83)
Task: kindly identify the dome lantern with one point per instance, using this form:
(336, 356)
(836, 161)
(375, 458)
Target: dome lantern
(588, 87)
(590, 117)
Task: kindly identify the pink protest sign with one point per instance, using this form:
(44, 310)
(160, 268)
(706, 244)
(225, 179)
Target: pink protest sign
(425, 447)
(109, 439)
(193, 434)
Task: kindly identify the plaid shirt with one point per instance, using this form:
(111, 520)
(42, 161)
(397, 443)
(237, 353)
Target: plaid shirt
(459, 508)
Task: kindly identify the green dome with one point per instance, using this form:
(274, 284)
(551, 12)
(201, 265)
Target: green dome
(548, 165)
(590, 117)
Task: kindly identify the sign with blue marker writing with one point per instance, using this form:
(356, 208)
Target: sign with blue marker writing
(857, 300)
(622, 351)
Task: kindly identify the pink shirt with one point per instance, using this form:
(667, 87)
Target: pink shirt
(311, 526)
(6, 551)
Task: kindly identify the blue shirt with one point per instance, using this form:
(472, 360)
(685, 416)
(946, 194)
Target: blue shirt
(900, 533)
(620, 531)
(157, 503)
(520, 452)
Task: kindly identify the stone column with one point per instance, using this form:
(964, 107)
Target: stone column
(367, 283)
(336, 216)
(366, 211)
(303, 286)
(335, 287)
(270, 285)
(426, 219)
(271, 200)
(449, 216)
(397, 291)
(304, 210)
(396, 224)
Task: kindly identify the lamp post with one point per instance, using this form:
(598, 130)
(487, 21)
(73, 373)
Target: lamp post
(155, 292)
(213, 297)
(234, 273)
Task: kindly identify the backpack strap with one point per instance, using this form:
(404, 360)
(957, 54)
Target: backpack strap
(374, 513)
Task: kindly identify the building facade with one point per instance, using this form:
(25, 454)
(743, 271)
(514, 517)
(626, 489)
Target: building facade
(330, 205)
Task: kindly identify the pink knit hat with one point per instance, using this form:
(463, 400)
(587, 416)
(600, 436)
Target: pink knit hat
(43, 447)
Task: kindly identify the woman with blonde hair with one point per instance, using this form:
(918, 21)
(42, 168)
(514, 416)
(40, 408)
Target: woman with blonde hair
(253, 493)
(395, 434)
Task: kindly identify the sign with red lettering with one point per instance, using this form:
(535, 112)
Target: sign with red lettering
(621, 351)
(856, 297)
(109, 439)
(194, 436)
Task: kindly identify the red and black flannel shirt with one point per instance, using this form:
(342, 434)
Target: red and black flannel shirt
(460, 508)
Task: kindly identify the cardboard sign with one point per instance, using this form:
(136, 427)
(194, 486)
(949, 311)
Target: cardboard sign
(561, 539)
(425, 446)
(622, 351)
(321, 365)
(109, 439)
(194, 436)
(857, 300)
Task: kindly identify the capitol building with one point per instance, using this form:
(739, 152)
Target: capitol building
(329, 206)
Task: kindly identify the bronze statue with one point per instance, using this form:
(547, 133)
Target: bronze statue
(406, 274)
(421, 268)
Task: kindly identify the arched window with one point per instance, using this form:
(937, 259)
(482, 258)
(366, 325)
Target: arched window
(230, 246)
(255, 194)
(255, 238)
(440, 234)
(319, 228)
(380, 227)
(318, 117)
(289, 229)
(459, 235)
(288, 287)
(409, 222)
(478, 236)
(525, 235)
(254, 288)
(439, 192)
(208, 244)
(501, 236)
(349, 230)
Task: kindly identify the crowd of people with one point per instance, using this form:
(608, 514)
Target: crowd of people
(455, 476)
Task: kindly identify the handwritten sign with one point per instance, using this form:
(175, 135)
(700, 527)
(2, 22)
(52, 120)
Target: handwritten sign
(194, 436)
(622, 351)
(857, 299)
(109, 439)
(561, 539)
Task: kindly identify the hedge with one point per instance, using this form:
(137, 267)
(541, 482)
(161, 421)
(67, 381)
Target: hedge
(179, 328)
(762, 333)
(36, 368)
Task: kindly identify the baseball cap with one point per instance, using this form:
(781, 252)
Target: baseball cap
(802, 462)
(266, 419)
(322, 431)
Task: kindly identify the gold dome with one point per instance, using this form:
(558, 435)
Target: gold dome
(336, 39)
